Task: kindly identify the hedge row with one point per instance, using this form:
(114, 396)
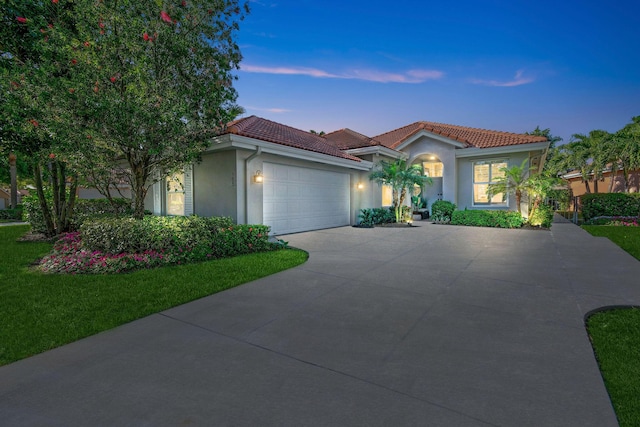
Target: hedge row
(610, 204)
(11, 214)
(84, 210)
(213, 237)
(484, 218)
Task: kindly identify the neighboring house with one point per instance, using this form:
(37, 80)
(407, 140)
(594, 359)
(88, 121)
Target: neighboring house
(263, 172)
(5, 199)
(578, 186)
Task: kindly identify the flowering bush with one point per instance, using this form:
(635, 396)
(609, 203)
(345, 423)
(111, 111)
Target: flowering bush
(620, 221)
(71, 253)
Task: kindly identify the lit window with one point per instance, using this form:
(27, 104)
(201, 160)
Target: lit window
(432, 169)
(175, 194)
(485, 173)
(387, 195)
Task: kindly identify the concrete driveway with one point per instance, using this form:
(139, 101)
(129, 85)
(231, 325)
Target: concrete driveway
(426, 326)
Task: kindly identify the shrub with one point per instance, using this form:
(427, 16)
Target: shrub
(366, 218)
(86, 209)
(542, 216)
(441, 210)
(484, 218)
(375, 216)
(11, 214)
(610, 204)
(157, 233)
(32, 212)
(117, 245)
(620, 221)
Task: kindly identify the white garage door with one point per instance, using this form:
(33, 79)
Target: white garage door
(301, 199)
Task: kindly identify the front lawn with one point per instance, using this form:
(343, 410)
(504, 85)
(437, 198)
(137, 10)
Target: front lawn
(615, 335)
(43, 311)
(628, 238)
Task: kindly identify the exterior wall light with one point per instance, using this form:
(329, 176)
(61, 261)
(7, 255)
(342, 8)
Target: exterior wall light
(360, 186)
(258, 177)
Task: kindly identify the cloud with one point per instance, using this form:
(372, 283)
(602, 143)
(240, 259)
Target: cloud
(411, 76)
(270, 110)
(518, 80)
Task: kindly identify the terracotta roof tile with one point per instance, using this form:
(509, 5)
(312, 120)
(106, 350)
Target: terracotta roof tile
(346, 139)
(266, 130)
(471, 137)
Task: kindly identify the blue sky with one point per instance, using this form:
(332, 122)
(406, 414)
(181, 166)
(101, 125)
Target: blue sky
(373, 66)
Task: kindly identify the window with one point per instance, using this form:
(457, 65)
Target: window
(387, 195)
(175, 194)
(432, 169)
(485, 173)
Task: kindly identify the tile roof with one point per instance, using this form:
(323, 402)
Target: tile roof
(471, 137)
(346, 139)
(266, 130)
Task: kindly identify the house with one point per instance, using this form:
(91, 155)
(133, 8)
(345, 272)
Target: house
(262, 172)
(5, 199)
(578, 186)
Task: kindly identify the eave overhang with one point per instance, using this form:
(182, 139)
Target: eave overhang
(229, 141)
(477, 152)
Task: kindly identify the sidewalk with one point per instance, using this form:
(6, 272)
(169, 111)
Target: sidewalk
(432, 325)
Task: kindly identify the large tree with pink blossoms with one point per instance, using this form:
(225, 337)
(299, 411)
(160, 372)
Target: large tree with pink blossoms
(143, 84)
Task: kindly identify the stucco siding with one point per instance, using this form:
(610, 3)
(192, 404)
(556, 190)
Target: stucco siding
(215, 185)
(465, 180)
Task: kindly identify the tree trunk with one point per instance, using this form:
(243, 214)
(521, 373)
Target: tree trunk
(518, 200)
(587, 187)
(48, 220)
(14, 180)
(139, 191)
(595, 185)
(614, 172)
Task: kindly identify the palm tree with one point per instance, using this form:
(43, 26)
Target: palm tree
(626, 151)
(399, 177)
(576, 155)
(512, 181)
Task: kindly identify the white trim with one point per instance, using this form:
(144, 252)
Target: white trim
(435, 136)
(473, 183)
(493, 151)
(235, 141)
(378, 150)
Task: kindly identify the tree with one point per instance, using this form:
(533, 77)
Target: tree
(513, 180)
(625, 151)
(153, 83)
(399, 176)
(547, 134)
(31, 68)
(87, 82)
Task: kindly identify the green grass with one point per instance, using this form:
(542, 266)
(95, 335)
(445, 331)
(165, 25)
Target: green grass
(615, 335)
(40, 311)
(628, 238)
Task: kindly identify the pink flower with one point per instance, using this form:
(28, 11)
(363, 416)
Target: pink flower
(54, 1)
(113, 79)
(165, 17)
(34, 122)
(21, 20)
(74, 61)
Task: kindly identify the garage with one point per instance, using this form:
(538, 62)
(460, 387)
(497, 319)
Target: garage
(301, 199)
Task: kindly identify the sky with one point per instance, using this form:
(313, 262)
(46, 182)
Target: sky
(373, 66)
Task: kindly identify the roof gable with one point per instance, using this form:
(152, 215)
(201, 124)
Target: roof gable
(347, 139)
(470, 137)
(266, 130)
